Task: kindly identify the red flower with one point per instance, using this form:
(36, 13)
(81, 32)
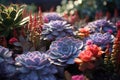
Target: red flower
(96, 51)
(118, 24)
(86, 55)
(12, 40)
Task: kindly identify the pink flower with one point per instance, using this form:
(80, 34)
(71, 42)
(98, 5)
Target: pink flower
(78, 77)
(89, 42)
(12, 40)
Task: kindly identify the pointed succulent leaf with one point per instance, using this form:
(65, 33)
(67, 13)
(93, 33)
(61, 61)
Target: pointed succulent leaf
(12, 14)
(10, 9)
(23, 6)
(15, 6)
(19, 13)
(2, 7)
(17, 21)
(3, 15)
(24, 21)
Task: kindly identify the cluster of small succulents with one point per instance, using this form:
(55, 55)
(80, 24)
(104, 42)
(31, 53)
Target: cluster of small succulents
(56, 29)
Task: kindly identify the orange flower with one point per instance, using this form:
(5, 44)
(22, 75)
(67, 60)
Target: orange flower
(96, 51)
(83, 32)
(86, 55)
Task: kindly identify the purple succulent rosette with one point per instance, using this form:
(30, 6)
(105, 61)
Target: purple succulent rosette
(35, 66)
(101, 22)
(102, 39)
(7, 68)
(5, 54)
(102, 25)
(64, 50)
(56, 29)
(52, 17)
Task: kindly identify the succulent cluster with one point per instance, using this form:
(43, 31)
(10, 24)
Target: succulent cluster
(35, 66)
(64, 50)
(56, 29)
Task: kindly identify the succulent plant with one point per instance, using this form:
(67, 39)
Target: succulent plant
(56, 29)
(7, 68)
(52, 17)
(35, 66)
(102, 39)
(5, 54)
(11, 18)
(102, 25)
(64, 50)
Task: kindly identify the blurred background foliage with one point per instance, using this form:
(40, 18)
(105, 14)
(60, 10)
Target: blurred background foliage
(46, 4)
(84, 7)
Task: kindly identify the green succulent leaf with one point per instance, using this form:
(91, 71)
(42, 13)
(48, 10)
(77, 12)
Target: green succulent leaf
(15, 6)
(23, 6)
(10, 9)
(3, 15)
(17, 20)
(19, 13)
(13, 14)
(8, 22)
(2, 7)
(24, 21)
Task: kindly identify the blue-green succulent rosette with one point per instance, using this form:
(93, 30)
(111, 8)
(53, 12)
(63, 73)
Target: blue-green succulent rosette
(63, 51)
(56, 29)
(102, 39)
(35, 66)
(52, 17)
(7, 68)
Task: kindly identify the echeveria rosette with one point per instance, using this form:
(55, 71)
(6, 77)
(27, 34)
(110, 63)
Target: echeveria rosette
(56, 29)
(52, 17)
(101, 25)
(7, 68)
(102, 39)
(105, 25)
(36, 65)
(64, 50)
(6, 55)
(101, 22)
